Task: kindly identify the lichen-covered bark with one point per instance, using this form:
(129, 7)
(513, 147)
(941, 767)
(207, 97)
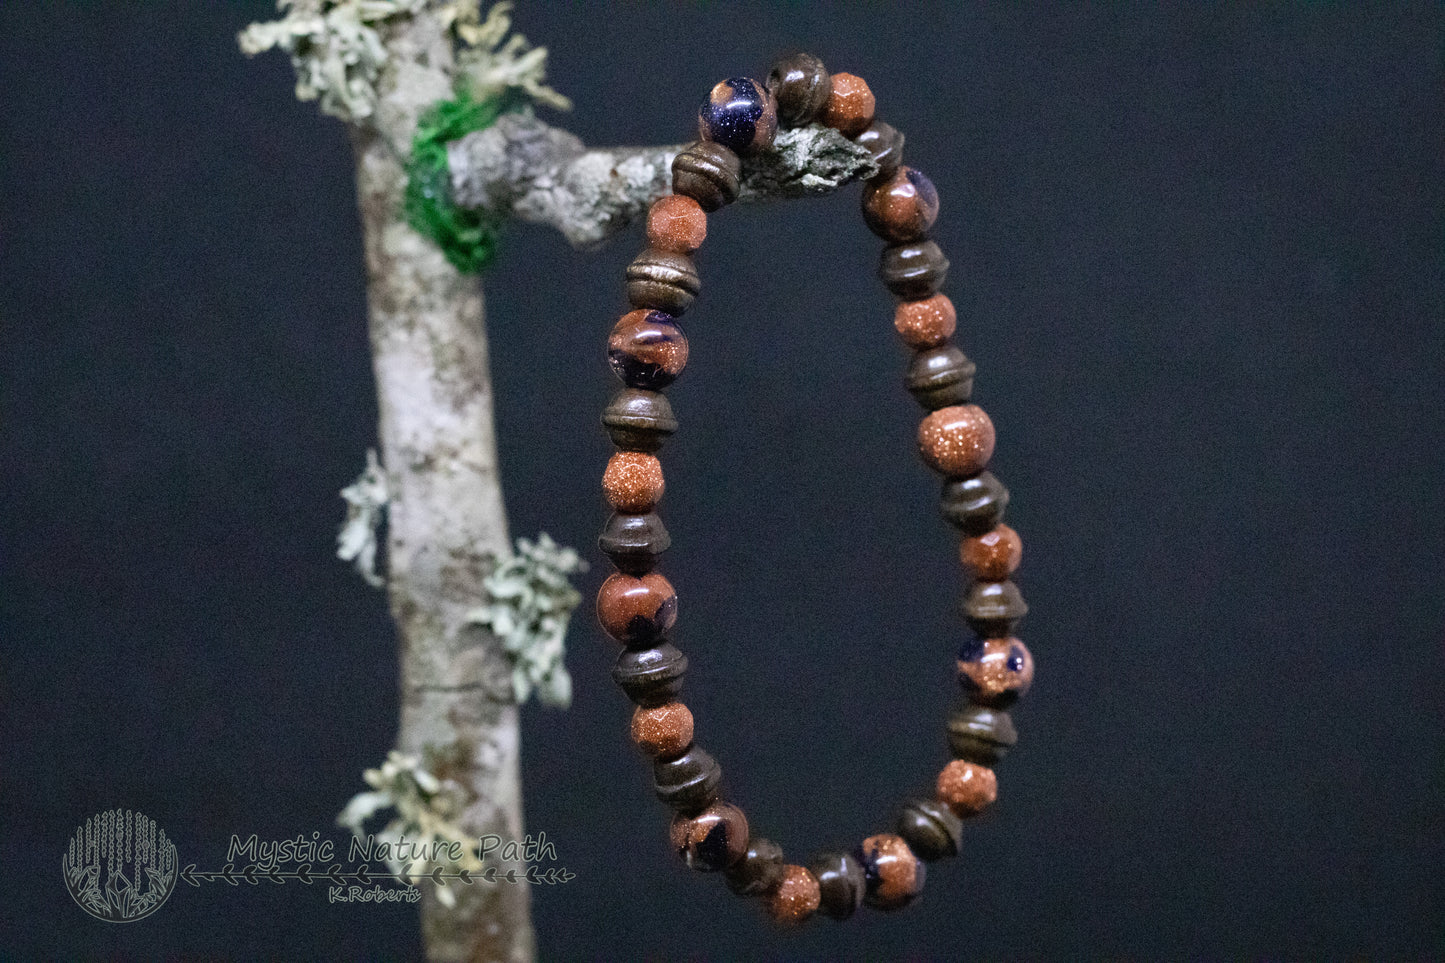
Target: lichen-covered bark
(445, 513)
(537, 173)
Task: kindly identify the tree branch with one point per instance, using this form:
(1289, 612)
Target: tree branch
(524, 168)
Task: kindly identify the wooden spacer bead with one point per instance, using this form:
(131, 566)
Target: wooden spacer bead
(639, 420)
(651, 677)
(634, 542)
(994, 609)
(689, 782)
(973, 505)
(841, 885)
(885, 145)
(662, 280)
(760, 869)
(709, 173)
(801, 86)
(930, 829)
(913, 270)
(979, 734)
(940, 377)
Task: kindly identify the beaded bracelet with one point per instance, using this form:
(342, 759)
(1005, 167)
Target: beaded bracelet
(638, 607)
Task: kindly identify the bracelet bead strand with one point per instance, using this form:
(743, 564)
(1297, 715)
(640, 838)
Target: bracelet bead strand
(637, 606)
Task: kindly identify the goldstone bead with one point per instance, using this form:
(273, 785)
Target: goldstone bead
(676, 223)
(913, 270)
(940, 377)
(634, 542)
(994, 609)
(979, 734)
(708, 173)
(992, 556)
(928, 323)
(636, 611)
(639, 420)
(740, 114)
(930, 829)
(796, 897)
(801, 86)
(850, 105)
(885, 145)
(662, 280)
(687, 783)
(893, 874)
(901, 207)
(973, 505)
(662, 732)
(956, 441)
(840, 883)
(759, 871)
(712, 840)
(967, 788)
(633, 481)
(995, 672)
(651, 677)
(647, 349)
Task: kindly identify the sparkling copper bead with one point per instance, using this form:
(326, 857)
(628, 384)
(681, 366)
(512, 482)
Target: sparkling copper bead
(739, 114)
(992, 556)
(647, 349)
(633, 482)
(663, 732)
(995, 672)
(636, 610)
(956, 441)
(901, 207)
(712, 840)
(850, 105)
(925, 324)
(893, 873)
(966, 787)
(676, 223)
(796, 897)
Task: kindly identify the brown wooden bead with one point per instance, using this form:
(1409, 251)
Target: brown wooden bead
(956, 441)
(796, 897)
(930, 829)
(663, 280)
(708, 173)
(850, 105)
(973, 505)
(687, 783)
(994, 609)
(992, 556)
(801, 86)
(634, 542)
(759, 871)
(979, 734)
(639, 420)
(995, 672)
(967, 788)
(663, 732)
(676, 223)
(840, 883)
(893, 874)
(651, 677)
(633, 482)
(636, 611)
(886, 146)
(926, 324)
(902, 206)
(940, 377)
(712, 840)
(913, 270)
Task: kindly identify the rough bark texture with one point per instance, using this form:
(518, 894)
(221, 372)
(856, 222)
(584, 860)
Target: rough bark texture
(445, 514)
(536, 173)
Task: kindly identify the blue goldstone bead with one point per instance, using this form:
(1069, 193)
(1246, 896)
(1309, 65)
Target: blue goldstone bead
(739, 114)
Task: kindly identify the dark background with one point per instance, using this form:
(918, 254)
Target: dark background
(1197, 257)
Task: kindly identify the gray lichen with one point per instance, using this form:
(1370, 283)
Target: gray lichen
(366, 500)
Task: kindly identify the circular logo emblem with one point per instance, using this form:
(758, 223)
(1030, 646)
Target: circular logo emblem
(120, 866)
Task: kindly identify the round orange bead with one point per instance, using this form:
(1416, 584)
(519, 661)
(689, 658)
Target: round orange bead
(966, 787)
(850, 105)
(956, 441)
(926, 324)
(992, 556)
(714, 839)
(893, 873)
(797, 896)
(676, 223)
(636, 610)
(633, 482)
(664, 731)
